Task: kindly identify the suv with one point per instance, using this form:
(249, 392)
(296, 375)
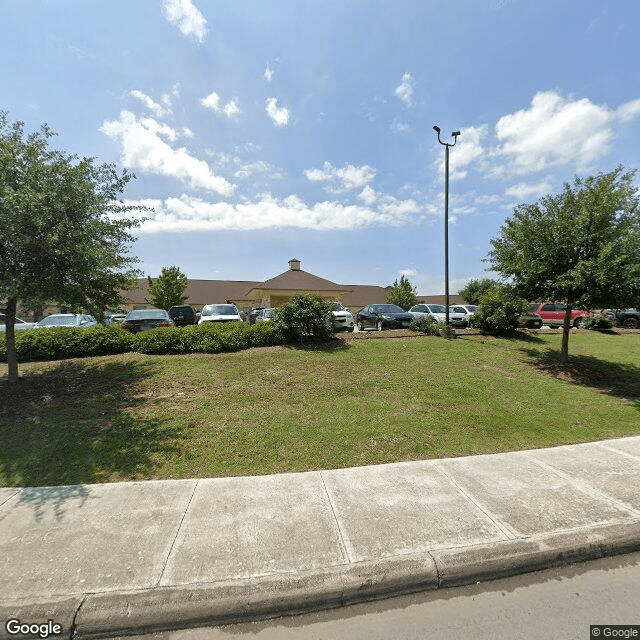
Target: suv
(627, 318)
(552, 313)
(183, 315)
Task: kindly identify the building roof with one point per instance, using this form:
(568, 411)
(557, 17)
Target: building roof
(361, 295)
(297, 279)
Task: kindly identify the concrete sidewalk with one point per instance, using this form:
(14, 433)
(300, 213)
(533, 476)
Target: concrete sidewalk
(103, 560)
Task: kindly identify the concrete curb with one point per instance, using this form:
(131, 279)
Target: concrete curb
(104, 615)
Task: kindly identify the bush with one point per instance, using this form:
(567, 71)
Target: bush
(68, 342)
(425, 324)
(498, 312)
(597, 323)
(305, 319)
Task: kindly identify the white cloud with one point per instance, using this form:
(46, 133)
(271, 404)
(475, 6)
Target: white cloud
(158, 110)
(400, 127)
(467, 151)
(187, 213)
(404, 90)
(523, 191)
(184, 15)
(343, 179)
(268, 73)
(279, 115)
(368, 195)
(259, 167)
(143, 149)
(213, 102)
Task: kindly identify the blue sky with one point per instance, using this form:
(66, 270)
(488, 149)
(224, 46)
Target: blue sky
(261, 131)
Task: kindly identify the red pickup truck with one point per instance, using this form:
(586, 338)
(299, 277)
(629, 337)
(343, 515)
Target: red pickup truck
(552, 313)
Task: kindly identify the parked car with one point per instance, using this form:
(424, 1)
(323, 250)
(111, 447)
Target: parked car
(183, 315)
(530, 321)
(145, 319)
(627, 318)
(219, 313)
(342, 317)
(552, 313)
(383, 316)
(116, 318)
(19, 324)
(253, 315)
(266, 315)
(439, 313)
(467, 309)
(80, 320)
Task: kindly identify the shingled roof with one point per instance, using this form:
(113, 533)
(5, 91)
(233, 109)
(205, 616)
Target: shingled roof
(297, 279)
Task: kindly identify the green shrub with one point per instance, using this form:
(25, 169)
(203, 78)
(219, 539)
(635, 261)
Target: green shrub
(597, 323)
(425, 324)
(68, 342)
(498, 312)
(305, 319)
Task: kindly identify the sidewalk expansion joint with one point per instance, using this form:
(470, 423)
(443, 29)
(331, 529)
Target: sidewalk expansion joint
(173, 543)
(343, 544)
(503, 527)
(626, 454)
(72, 630)
(583, 486)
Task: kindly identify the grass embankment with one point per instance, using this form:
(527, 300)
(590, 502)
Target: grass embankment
(283, 409)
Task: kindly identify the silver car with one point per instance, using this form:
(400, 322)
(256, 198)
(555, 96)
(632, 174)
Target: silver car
(79, 320)
(19, 325)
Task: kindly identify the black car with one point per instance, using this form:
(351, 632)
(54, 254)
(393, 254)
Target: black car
(182, 315)
(627, 318)
(383, 316)
(145, 319)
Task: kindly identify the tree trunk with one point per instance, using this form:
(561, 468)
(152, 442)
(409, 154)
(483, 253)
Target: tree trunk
(566, 328)
(12, 358)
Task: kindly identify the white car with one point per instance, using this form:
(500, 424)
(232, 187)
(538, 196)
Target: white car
(265, 315)
(81, 320)
(219, 313)
(439, 313)
(467, 309)
(18, 326)
(343, 318)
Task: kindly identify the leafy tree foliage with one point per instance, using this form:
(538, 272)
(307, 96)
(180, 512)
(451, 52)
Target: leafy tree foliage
(64, 235)
(403, 294)
(305, 319)
(475, 289)
(168, 289)
(580, 246)
(499, 311)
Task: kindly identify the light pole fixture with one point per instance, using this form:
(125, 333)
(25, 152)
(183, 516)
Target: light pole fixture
(446, 145)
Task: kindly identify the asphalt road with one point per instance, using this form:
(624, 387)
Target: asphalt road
(555, 604)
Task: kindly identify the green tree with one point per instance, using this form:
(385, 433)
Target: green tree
(499, 311)
(403, 294)
(580, 246)
(168, 289)
(64, 236)
(475, 289)
(305, 319)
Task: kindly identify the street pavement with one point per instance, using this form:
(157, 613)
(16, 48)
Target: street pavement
(124, 558)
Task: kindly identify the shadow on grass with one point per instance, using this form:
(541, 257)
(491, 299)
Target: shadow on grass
(613, 378)
(518, 336)
(332, 346)
(71, 425)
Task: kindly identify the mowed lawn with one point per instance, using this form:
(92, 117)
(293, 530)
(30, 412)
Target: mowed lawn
(280, 409)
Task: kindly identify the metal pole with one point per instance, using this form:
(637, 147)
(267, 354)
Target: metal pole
(446, 232)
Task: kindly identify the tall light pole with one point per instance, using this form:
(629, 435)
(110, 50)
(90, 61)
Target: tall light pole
(446, 145)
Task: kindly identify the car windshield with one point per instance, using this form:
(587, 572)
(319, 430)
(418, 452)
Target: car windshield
(67, 321)
(220, 310)
(437, 308)
(387, 308)
(147, 314)
(337, 307)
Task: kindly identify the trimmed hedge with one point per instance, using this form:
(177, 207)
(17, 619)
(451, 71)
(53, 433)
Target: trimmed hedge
(58, 344)
(425, 324)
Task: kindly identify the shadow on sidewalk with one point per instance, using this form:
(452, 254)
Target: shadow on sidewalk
(71, 425)
(613, 378)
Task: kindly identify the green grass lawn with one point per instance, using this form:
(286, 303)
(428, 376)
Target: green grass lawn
(280, 409)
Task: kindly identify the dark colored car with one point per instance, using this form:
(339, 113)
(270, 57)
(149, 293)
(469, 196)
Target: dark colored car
(383, 316)
(183, 315)
(144, 319)
(530, 321)
(627, 318)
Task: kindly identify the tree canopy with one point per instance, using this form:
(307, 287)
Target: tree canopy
(64, 235)
(580, 246)
(168, 289)
(475, 289)
(403, 293)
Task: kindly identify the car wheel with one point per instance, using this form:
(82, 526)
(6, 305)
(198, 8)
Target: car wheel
(360, 325)
(630, 323)
(379, 326)
(350, 329)
(577, 323)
